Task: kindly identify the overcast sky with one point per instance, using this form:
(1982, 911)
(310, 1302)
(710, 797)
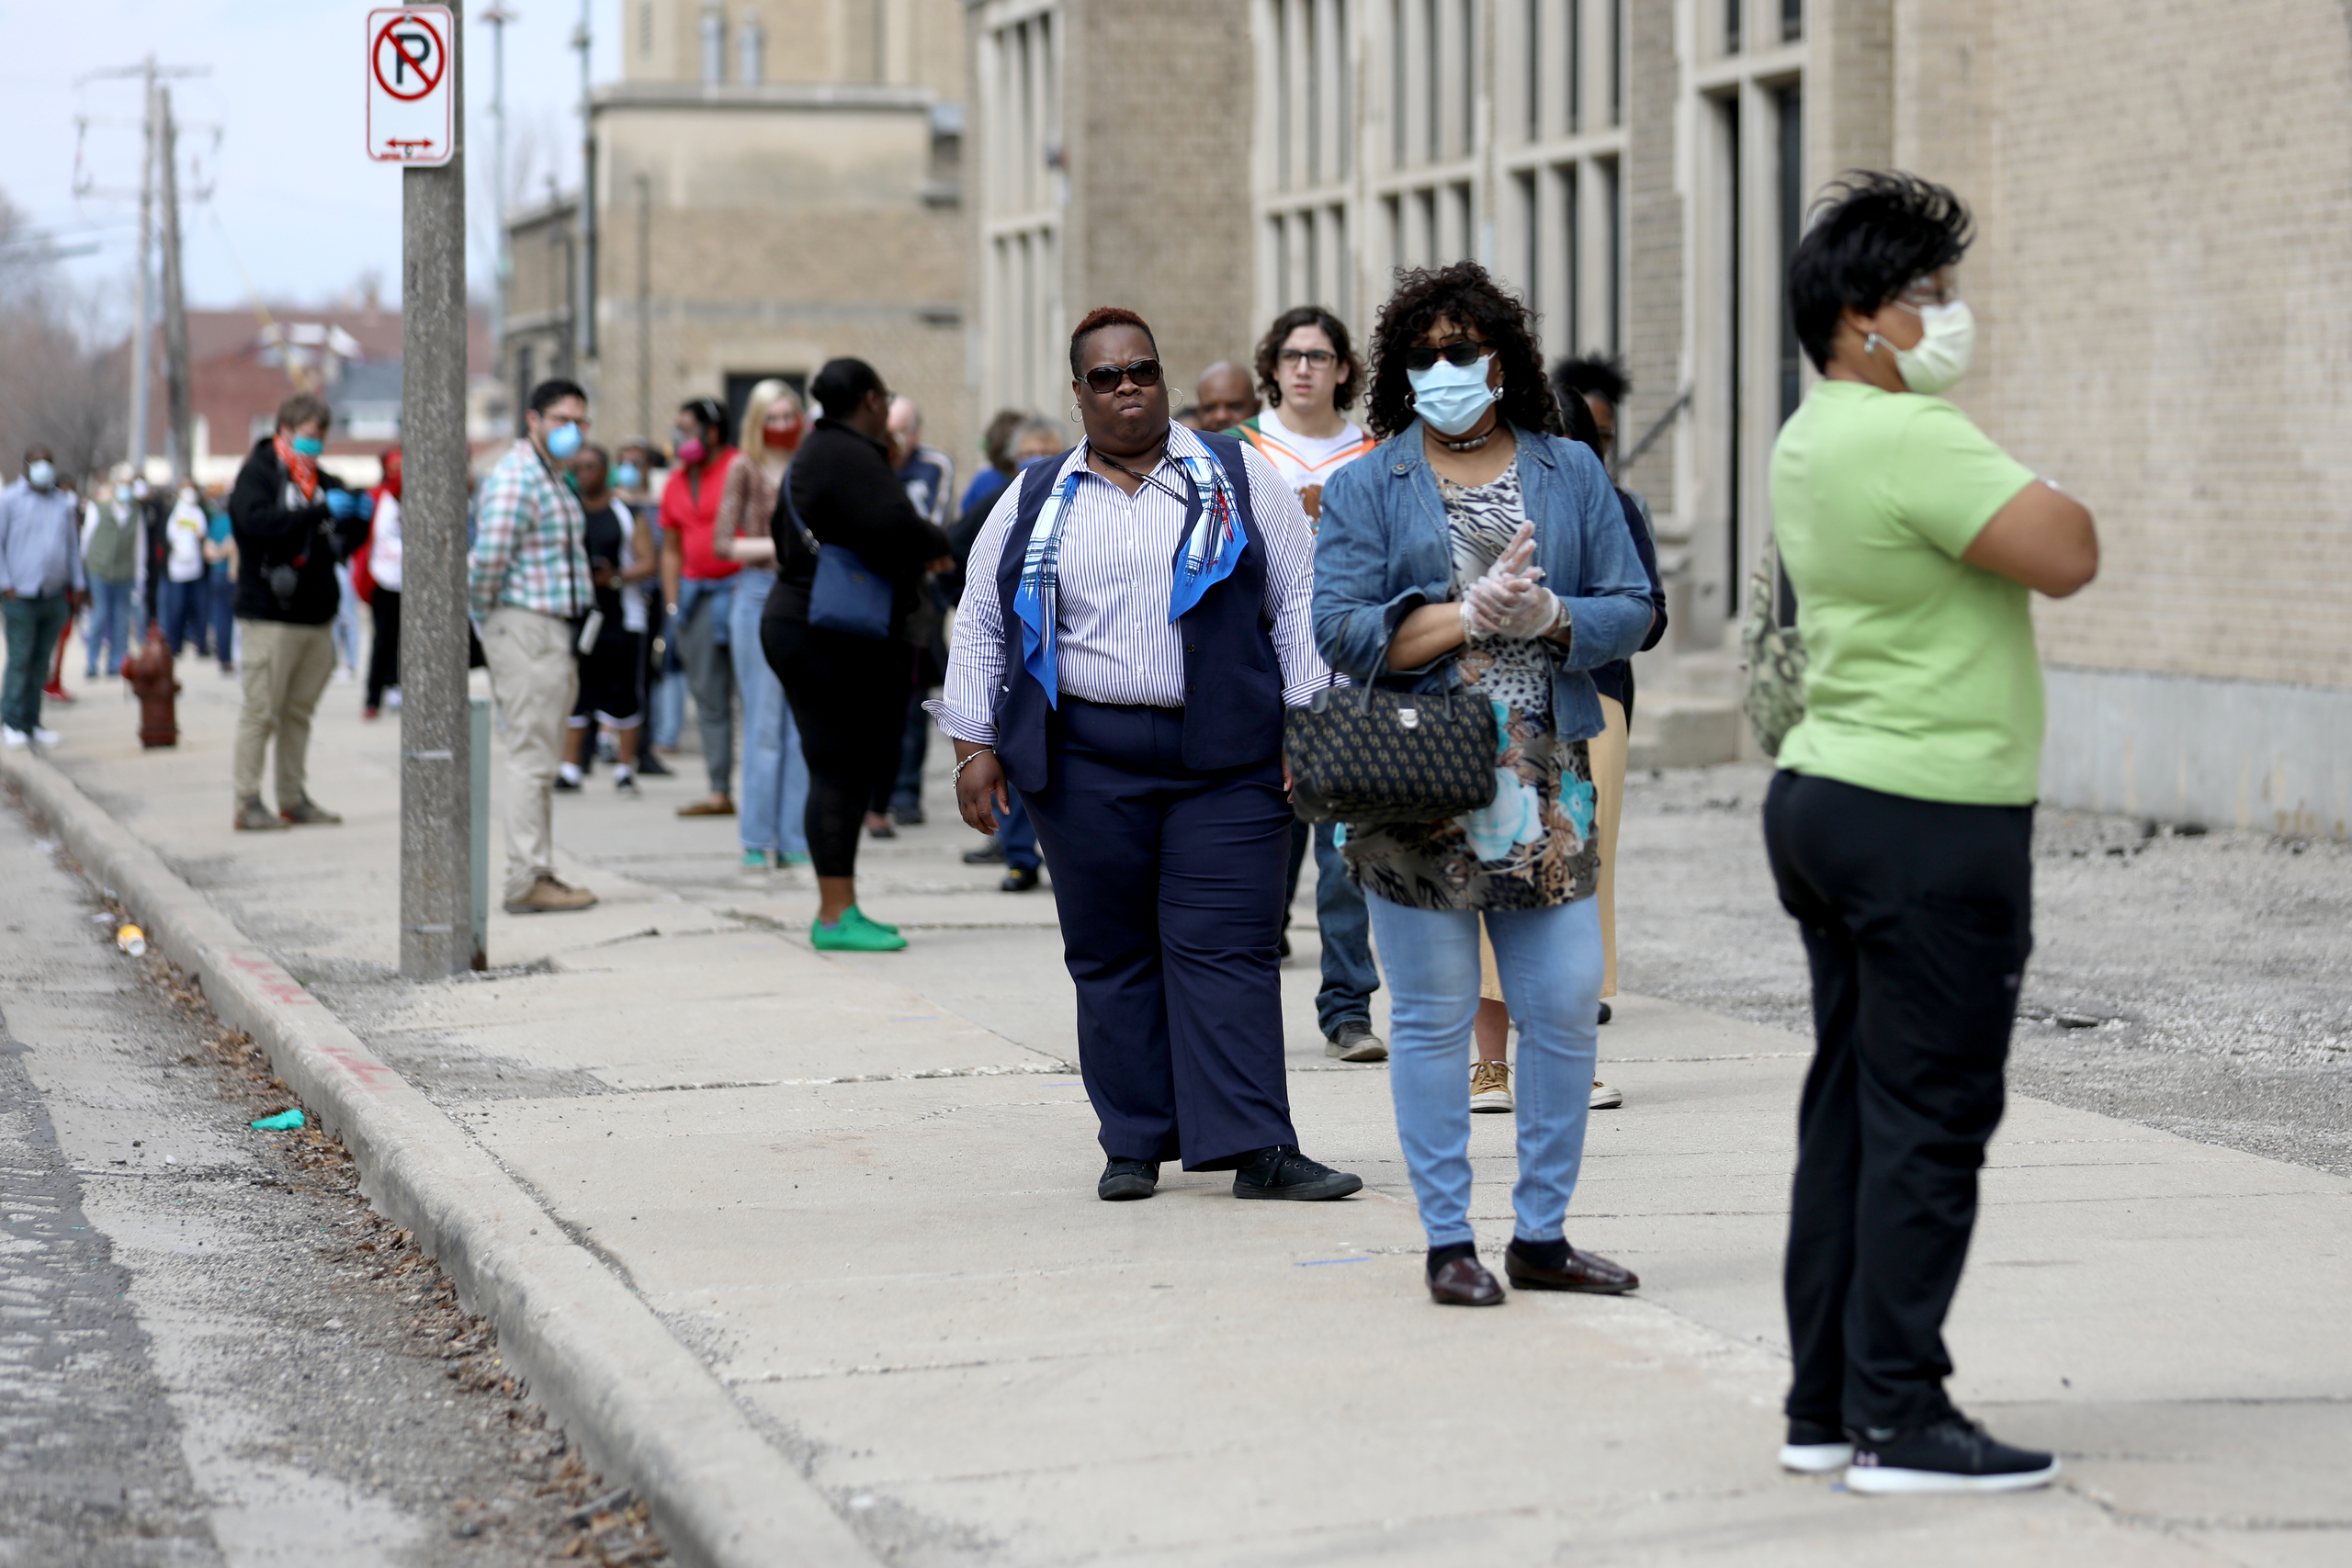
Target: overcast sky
(295, 202)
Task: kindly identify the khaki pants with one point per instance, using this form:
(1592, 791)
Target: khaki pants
(287, 668)
(535, 679)
(1607, 751)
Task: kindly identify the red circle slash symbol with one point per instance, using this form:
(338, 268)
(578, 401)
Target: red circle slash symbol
(410, 48)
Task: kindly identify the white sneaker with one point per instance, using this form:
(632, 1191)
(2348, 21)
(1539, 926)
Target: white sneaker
(1490, 1086)
(46, 737)
(13, 738)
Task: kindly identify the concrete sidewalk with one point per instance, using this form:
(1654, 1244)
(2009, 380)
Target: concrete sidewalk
(860, 1189)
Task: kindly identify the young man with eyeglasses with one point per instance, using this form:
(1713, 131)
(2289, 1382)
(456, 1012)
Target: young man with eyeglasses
(1309, 372)
(530, 589)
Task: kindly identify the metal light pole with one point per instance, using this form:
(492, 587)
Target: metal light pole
(437, 931)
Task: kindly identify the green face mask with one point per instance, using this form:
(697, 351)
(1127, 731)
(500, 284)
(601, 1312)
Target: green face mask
(309, 446)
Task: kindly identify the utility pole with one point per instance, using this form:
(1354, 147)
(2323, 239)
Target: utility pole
(585, 327)
(502, 264)
(180, 426)
(437, 932)
(144, 331)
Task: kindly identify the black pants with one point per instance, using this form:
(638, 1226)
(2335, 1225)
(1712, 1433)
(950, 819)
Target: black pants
(849, 697)
(1917, 919)
(384, 657)
(1169, 883)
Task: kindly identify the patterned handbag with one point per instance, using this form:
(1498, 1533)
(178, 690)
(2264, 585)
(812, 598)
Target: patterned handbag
(1774, 699)
(1368, 755)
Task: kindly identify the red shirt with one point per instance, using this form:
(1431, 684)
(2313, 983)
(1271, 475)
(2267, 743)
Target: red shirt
(690, 508)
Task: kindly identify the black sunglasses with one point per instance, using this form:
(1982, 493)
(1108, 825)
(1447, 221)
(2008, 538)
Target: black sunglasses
(1106, 377)
(1462, 353)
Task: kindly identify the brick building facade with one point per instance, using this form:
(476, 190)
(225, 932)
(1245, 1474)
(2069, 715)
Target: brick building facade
(777, 183)
(2163, 281)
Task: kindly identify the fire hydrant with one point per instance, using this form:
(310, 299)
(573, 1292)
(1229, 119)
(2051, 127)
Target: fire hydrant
(150, 673)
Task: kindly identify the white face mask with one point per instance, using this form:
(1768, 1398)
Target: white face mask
(1941, 357)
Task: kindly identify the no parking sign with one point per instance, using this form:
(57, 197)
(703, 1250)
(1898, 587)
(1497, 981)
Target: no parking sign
(412, 92)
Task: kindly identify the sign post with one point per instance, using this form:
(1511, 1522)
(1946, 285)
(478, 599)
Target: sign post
(415, 116)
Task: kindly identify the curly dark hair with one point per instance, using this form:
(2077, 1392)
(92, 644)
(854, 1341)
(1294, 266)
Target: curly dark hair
(1465, 292)
(1344, 394)
(1093, 322)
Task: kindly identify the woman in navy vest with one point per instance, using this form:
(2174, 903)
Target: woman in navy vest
(1478, 551)
(1137, 617)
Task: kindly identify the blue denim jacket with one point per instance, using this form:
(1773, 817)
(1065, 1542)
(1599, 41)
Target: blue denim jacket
(1382, 550)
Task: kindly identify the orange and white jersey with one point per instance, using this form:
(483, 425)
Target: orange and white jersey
(1304, 461)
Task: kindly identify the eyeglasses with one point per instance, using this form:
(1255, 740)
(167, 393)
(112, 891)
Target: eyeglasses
(1462, 353)
(1321, 359)
(1928, 291)
(1106, 377)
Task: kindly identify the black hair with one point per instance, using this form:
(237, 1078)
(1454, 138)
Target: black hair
(1872, 233)
(1344, 394)
(998, 440)
(842, 384)
(711, 414)
(590, 449)
(1578, 425)
(1097, 319)
(1591, 375)
(1467, 293)
(553, 390)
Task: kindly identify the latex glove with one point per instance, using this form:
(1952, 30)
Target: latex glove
(340, 504)
(1515, 607)
(367, 506)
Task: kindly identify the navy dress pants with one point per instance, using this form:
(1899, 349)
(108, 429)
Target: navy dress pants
(1170, 885)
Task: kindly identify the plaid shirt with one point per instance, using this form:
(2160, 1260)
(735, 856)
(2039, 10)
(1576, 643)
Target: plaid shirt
(526, 547)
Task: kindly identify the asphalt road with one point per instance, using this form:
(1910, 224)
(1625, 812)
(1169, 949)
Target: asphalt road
(212, 1351)
(2197, 983)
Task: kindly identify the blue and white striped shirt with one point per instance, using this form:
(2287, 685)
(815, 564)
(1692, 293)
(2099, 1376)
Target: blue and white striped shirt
(1116, 645)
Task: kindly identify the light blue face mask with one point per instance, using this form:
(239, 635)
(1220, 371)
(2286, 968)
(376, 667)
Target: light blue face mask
(1451, 398)
(626, 477)
(41, 473)
(308, 446)
(563, 440)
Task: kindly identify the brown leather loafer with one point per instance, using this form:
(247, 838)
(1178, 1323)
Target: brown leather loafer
(1465, 1282)
(1584, 1272)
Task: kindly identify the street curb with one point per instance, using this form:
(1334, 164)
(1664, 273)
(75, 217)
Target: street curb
(649, 1413)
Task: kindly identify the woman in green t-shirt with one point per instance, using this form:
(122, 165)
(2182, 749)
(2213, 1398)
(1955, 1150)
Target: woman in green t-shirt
(1900, 827)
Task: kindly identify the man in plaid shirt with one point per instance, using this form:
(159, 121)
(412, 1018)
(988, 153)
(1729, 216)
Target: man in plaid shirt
(527, 586)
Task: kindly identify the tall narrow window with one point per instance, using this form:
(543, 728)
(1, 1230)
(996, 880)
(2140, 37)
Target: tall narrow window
(1280, 235)
(1400, 51)
(1533, 85)
(1792, 20)
(1344, 70)
(1343, 263)
(1392, 212)
(713, 43)
(1530, 251)
(1732, 19)
(1616, 61)
(1433, 109)
(750, 50)
(1572, 240)
(1575, 65)
(1612, 191)
(1284, 12)
(1790, 104)
(1425, 242)
(1467, 74)
(1310, 59)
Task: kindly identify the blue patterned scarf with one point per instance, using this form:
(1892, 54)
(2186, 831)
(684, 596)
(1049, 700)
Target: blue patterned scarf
(1213, 545)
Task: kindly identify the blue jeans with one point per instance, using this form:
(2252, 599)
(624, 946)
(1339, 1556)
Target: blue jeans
(1015, 834)
(1550, 963)
(224, 618)
(185, 605)
(1349, 977)
(110, 627)
(775, 775)
(702, 632)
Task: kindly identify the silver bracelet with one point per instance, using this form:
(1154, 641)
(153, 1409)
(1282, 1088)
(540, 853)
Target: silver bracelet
(955, 777)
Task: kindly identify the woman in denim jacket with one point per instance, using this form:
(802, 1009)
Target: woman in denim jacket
(1477, 549)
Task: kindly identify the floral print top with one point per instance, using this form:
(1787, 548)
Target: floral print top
(1534, 846)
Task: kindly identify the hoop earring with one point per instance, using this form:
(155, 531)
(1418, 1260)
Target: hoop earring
(1075, 417)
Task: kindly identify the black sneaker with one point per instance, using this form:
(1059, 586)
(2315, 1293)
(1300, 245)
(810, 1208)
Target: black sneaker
(1816, 1447)
(566, 787)
(1954, 1454)
(1124, 1179)
(1283, 1172)
(1354, 1042)
(989, 853)
(651, 766)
